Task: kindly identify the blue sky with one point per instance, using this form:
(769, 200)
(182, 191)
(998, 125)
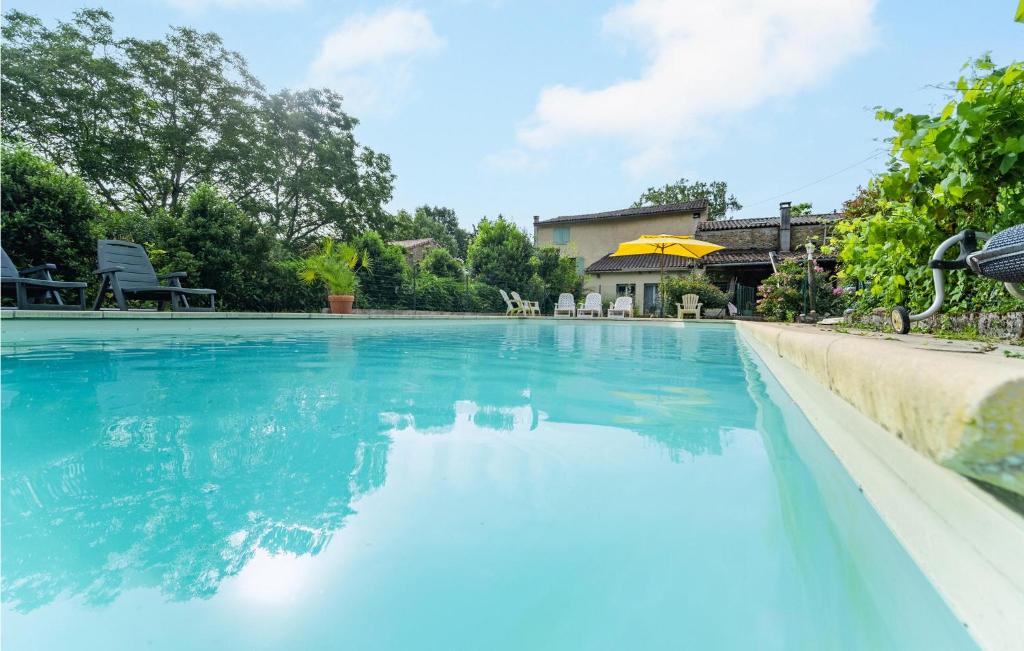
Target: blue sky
(545, 108)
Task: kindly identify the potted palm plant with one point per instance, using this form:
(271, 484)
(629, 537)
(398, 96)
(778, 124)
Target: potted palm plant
(335, 265)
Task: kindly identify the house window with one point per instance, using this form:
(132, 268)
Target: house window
(624, 290)
(580, 266)
(561, 235)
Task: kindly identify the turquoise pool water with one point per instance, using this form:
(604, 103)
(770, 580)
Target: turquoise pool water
(438, 485)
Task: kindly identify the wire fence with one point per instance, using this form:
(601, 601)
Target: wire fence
(419, 291)
(416, 290)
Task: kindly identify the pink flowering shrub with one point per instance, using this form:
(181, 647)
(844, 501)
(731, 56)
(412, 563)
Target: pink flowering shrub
(781, 296)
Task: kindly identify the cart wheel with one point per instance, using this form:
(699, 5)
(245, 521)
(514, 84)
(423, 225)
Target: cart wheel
(900, 319)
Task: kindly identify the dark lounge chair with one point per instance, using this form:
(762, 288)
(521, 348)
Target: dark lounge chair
(128, 275)
(31, 288)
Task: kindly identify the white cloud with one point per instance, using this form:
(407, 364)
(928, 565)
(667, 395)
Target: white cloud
(705, 59)
(368, 58)
(199, 5)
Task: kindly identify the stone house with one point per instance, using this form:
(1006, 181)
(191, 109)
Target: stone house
(739, 269)
(416, 250)
(751, 243)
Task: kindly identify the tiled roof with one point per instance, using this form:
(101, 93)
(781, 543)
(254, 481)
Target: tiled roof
(412, 244)
(767, 222)
(747, 256)
(686, 206)
(645, 262)
(652, 261)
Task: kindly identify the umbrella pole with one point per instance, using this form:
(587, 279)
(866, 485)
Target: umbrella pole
(661, 287)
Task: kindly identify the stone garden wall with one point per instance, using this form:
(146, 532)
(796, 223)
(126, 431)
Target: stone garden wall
(1008, 326)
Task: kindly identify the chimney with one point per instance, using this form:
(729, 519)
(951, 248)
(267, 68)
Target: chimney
(536, 220)
(784, 226)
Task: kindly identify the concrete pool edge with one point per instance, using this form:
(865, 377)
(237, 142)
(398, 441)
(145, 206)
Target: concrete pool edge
(964, 410)
(91, 315)
(38, 327)
(964, 540)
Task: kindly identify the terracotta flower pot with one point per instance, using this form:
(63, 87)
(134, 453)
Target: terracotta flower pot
(341, 303)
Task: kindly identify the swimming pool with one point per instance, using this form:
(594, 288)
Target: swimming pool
(396, 485)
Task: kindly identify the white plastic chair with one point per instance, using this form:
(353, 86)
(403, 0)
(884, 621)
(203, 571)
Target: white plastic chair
(591, 306)
(690, 304)
(510, 309)
(623, 307)
(527, 307)
(566, 305)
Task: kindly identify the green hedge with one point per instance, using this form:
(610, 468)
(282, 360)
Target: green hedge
(47, 216)
(696, 283)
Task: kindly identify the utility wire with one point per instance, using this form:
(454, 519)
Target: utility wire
(877, 153)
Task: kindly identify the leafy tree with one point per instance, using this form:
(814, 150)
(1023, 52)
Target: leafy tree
(143, 122)
(435, 222)
(195, 123)
(716, 192)
(385, 285)
(313, 178)
(958, 169)
(220, 248)
(47, 215)
(557, 273)
(68, 96)
(133, 226)
(440, 263)
(798, 209)
(501, 255)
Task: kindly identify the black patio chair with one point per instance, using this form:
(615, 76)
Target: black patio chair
(128, 274)
(31, 288)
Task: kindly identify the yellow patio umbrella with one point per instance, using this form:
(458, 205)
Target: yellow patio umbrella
(682, 246)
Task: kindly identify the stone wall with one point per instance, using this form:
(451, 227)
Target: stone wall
(745, 238)
(813, 232)
(766, 237)
(1008, 326)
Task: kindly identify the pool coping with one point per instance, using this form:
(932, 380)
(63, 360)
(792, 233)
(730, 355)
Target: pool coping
(967, 543)
(221, 316)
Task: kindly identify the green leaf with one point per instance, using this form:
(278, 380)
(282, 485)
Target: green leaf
(943, 140)
(1008, 162)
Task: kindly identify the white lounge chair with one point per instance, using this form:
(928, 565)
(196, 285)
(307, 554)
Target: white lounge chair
(510, 309)
(566, 305)
(623, 307)
(591, 306)
(527, 307)
(690, 304)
